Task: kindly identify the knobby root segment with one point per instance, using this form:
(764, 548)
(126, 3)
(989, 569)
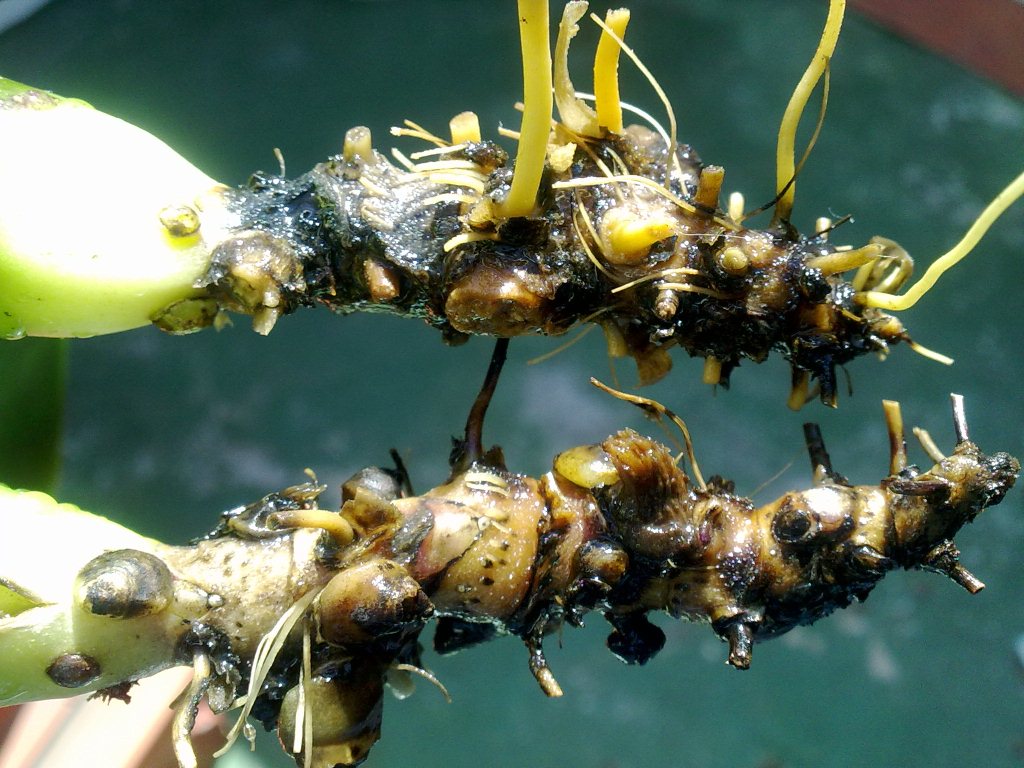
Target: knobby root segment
(307, 636)
(596, 223)
(785, 157)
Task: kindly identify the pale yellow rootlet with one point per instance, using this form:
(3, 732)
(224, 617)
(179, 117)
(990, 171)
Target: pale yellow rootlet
(785, 156)
(537, 101)
(1013, 192)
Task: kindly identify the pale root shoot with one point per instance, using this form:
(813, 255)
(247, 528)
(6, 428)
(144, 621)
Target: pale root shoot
(657, 89)
(897, 443)
(712, 373)
(334, 524)
(887, 301)
(606, 70)
(267, 651)
(785, 156)
(928, 444)
(843, 261)
(426, 674)
(798, 394)
(931, 354)
(185, 714)
(538, 100)
(574, 114)
(465, 127)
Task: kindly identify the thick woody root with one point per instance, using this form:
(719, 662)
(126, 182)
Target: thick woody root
(302, 615)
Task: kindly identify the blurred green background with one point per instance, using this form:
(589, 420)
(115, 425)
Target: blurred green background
(164, 432)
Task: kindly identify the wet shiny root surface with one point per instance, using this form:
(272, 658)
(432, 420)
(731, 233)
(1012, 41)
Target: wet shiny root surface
(921, 675)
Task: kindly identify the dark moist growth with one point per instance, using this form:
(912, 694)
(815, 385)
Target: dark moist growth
(359, 233)
(593, 222)
(618, 527)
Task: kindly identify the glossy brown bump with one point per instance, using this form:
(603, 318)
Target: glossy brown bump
(604, 560)
(124, 584)
(180, 220)
(73, 670)
(369, 600)
(496, 302)
(381, 281)
(792, 524)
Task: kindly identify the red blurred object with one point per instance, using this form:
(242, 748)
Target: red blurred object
(985, 36)
(83, 731)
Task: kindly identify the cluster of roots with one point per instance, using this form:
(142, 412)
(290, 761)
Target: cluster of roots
(595, 222)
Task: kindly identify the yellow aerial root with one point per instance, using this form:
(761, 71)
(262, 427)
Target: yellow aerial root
(785, 163)
(537, 100)
(606, 70)
(843, 261)
(1013, 192)
(606, 30)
